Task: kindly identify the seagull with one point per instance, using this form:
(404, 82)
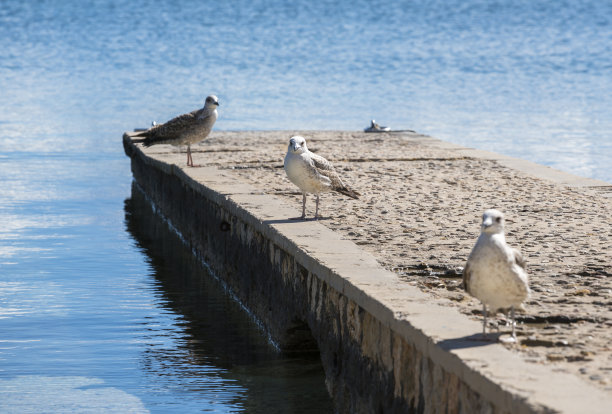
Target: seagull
(374, 127)
(185, 129)
(495, 272)
(312, 173)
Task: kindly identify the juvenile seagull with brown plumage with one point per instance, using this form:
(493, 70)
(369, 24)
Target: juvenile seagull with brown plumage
(185, 129)
(495, 272)
(312, 173)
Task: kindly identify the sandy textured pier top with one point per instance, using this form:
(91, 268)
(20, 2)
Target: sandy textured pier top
(419, 215)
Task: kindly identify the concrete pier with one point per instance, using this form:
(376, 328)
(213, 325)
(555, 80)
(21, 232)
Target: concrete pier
(374, 286)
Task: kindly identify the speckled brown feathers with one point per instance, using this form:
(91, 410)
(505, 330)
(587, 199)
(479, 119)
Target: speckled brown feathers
(185, 129)
(326, 169)
(173, 130)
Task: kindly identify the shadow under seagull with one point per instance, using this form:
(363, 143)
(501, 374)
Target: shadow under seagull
(295, 220)
(471, 341)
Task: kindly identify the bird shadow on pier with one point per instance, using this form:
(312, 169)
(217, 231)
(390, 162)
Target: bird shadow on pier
(295, 220)
(470, 341)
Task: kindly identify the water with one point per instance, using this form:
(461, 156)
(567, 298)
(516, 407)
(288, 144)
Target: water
(526, 78)
(103, 308)
(93, 315)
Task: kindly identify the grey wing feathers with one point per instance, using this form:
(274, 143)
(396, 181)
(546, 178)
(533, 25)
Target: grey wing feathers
(467, 274)
(518, 258)
(321, 163)
(326, 169)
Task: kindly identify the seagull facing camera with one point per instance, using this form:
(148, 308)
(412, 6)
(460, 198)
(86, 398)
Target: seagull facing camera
(312, 173)
(492, 222)
(495, 272)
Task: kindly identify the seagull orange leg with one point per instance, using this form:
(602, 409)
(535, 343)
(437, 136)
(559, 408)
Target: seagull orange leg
(189, 159)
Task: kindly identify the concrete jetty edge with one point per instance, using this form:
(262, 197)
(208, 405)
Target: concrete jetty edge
(385, 345)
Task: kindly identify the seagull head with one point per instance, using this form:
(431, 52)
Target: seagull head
(297, 144)
(211, 102)
(492, 222)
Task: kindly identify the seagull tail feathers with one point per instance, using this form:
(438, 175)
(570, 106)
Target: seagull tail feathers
(139, 133)
(143, 138)
(348, 192)
(146, 139)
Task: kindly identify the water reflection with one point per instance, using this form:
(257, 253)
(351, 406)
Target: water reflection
(41, 394)
(213, 348)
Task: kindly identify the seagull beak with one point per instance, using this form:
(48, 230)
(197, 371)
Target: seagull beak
(217, 103)
(295, 147)
(487, 222)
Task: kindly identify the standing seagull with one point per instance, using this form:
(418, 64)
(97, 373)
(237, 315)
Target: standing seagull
(495, 272)
(312, 173)
(185, 129)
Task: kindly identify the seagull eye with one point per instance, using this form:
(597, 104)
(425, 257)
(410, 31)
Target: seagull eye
(498, 219)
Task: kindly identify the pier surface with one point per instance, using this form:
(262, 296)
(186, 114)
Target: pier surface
(390, 265)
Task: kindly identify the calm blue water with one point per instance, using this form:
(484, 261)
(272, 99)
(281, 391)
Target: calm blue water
(103, 309)
(89, 314)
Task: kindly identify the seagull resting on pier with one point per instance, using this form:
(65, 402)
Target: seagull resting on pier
(185, 129)
(495, 272)
(374, 127)
(312, 173)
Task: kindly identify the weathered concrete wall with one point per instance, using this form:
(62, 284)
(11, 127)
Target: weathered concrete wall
(384, 349)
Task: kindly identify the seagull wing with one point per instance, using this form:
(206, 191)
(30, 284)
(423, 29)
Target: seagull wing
(321, 164)
(326, 169)
(518, 258)
(169, 130)
(522, 279)
(467, 275)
